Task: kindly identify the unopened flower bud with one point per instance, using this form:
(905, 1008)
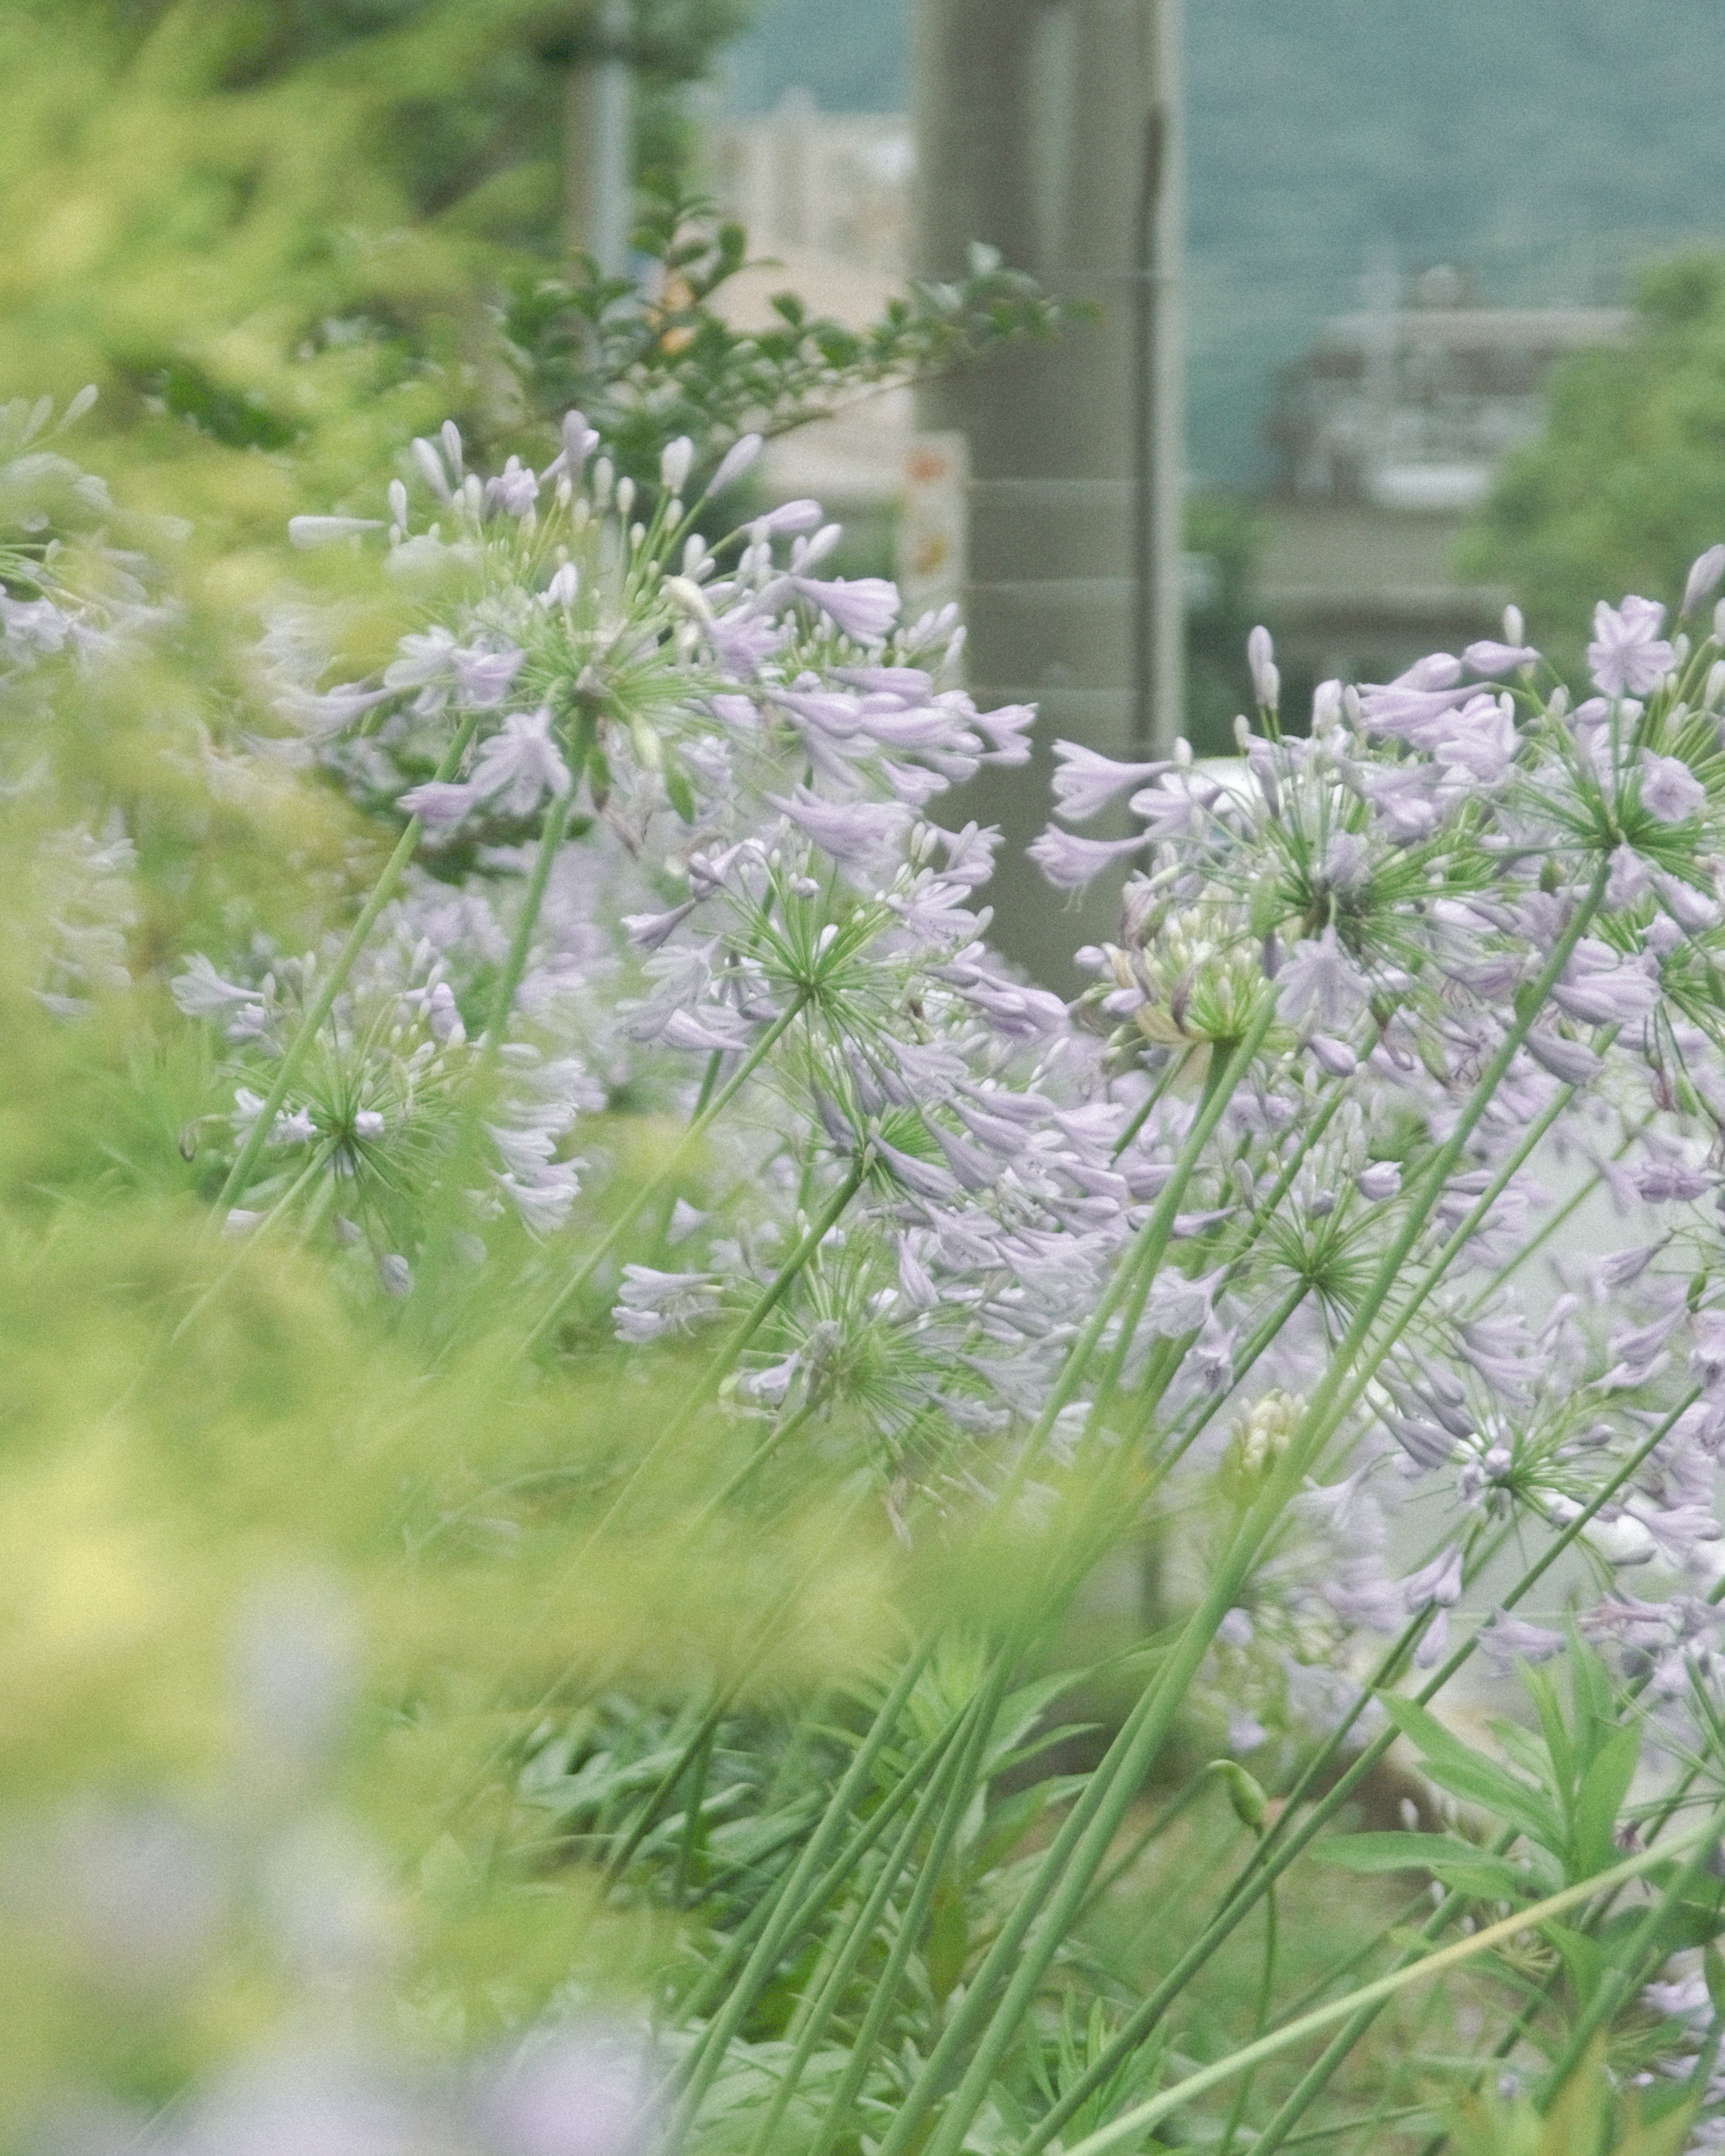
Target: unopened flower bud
(1245, 1793)
(1260, 657)
(1515, 629)
(625, 498)
(688, 595)
(802, 515)
(399, 503)
(452, 447)
(674, 460)
(735, 462)
(431, 467)
(1715, 684)
(1242, 732)
(1704, 576)
(306, 532)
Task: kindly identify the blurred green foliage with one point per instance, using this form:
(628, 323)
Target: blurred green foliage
(271, 233)
(1626, 486)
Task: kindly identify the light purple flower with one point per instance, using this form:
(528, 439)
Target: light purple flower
(201, 991)
(1669, 790)
(1492, 658)
(1628, 655)
(743, 637)
(922, 1178)
(713, 1027)
(651, 1303)
(1333, 1056)
(1006, 727)
(585, 2092)
(484, 676)
(323, 714)
(1629, 879)
(802, 515)
(1070, 862)
(1085, 781)
(1601, 988)
(516, 767)
(864, 608)
(1177, 1304)
(862, 835)
(515, 489)
(1671, 1183)
(1319, 985)
(440, 803)
(1570, 1061)
(675, 460)
(1509, 1639)
(1438, 1582)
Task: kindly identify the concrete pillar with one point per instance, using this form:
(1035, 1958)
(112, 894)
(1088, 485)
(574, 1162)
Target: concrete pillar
(1049, 128)
(598, 133)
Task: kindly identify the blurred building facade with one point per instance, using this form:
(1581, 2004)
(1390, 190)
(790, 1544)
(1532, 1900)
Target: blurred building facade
(835, 184)
(1391, 432)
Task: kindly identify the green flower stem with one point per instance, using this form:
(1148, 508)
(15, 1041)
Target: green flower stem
(1206, 1410)
(705, 2059)
(813, 1237)
(1560, 1215)
(1080, 1848)
(1134, 2125)
(1159, 1089)
(334, 981)
(278, 1211)
(1152, 1239)
(683, 1420)
(862, 1932)
(1283, 1845)
(711, 1983)
(1261, 2020)
(551, 838)
(642, 1825)
(699, 1125)
(1157, 1380)
(885, 1995)
(779, 1435)
(1628, 1964)
(1317, 2075)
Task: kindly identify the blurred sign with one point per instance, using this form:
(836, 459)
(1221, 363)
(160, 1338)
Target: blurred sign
(934, 521)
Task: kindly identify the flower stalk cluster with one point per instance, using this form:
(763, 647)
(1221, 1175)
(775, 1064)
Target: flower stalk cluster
(671, 1028)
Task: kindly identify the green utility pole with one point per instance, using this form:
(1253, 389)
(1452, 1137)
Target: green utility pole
(1050, 129)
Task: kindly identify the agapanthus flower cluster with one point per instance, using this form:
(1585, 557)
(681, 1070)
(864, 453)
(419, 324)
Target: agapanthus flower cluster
(937, 1208)
(1280, 1225)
